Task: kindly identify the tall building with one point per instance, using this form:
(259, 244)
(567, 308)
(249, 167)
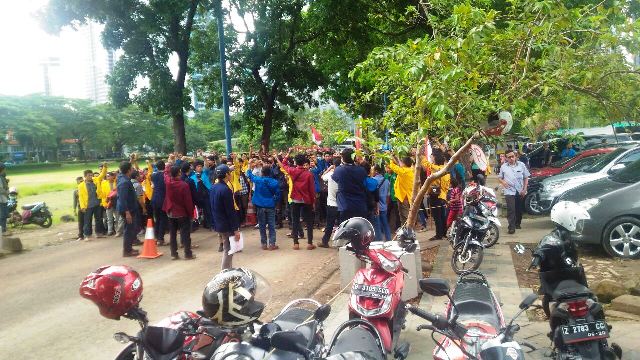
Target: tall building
(98, 64)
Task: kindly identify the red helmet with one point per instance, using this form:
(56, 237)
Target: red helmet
(116, 289)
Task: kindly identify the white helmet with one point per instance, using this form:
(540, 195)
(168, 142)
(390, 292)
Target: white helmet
(567, 214)
(13, 190)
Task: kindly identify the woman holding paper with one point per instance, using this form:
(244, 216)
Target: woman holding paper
(224, 217)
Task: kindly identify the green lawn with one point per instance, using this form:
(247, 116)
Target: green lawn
(53, 186)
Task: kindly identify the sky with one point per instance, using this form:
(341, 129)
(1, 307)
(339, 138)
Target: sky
(23, 45)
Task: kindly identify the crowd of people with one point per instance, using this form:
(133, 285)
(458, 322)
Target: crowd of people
(308, 188)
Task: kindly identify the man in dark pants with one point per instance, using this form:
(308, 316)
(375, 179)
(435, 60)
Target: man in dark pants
(178, 205)
(332, 205)
(351, 197)
(514, 177)
(157, 200)
(127, 206)
(224, 217)
(77, 211)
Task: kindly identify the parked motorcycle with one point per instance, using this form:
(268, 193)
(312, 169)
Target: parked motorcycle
(473, 325)
(117, 291)
(376, 293)
(577, 320)
(36, 213)
(486, 205)
(355, 339)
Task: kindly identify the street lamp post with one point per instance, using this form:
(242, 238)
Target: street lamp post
(223, 76)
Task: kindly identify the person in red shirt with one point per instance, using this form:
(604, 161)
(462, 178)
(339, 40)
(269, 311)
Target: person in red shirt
(178, 205)
(303, 197)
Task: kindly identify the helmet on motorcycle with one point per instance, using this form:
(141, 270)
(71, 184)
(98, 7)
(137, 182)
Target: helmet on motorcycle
(13, 190)
(116, 289)
(567, 214)
(235, 297)
(472, 194)
(356, 231)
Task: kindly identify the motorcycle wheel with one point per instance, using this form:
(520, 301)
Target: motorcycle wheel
(469, 260)
(128, 353)
(46, 223)
(492, 236)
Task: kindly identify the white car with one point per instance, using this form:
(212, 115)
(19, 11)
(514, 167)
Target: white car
(554, 186)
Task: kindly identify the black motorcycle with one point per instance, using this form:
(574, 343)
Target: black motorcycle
(36, 213)
(291, 318)
(467, 240)
(576, 318)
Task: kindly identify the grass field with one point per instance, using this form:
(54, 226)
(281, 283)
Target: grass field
(53, 186)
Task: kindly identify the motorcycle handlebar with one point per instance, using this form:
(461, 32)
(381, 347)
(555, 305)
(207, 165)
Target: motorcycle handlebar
(440, 322)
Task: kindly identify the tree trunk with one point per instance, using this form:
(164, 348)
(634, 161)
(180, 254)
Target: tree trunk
(81, 149)
(267, 126)
(415, 204)
(179, 137)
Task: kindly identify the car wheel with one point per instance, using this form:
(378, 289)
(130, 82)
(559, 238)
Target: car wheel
(532, 204)
(622, 238)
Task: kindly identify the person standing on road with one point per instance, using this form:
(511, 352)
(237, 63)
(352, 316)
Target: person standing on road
(514, 177)
(127, 205)
(107, 187)
(178, 205)
(438, 192)
(157, 201)
(89, 201)
(4, 198)
(224, 216)
(332, 204)
(352, 193)
(265, 197)
(77, 211)
(403, 186)
(303, 198)
(381, 223)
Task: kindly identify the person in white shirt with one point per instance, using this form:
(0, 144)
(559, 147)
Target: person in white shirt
(332, 204)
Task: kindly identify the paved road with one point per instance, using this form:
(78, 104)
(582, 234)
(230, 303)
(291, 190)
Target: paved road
(43, 317)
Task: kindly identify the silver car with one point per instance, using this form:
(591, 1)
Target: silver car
(554, 186)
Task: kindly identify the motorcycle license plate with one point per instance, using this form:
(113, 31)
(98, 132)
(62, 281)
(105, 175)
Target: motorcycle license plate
(370, 291)
(584, 332)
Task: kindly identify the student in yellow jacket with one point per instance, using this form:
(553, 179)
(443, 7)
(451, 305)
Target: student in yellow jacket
(108, 191)
(403, 187)
(89, 202)
(438, 192)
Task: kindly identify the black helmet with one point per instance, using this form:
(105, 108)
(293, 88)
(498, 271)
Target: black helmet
(405, 236)
(235, 297)
(357, 231)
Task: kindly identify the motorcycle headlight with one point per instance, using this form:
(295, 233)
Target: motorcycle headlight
(589, 203)
(387, 264)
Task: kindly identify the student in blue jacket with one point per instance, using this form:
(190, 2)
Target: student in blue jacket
(265, 197)
(224, 217)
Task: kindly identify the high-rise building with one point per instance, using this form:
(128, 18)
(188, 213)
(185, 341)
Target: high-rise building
(99, 63)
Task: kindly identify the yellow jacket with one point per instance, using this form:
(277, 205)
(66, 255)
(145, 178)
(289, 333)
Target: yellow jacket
(83, 194)
(105, 190)
(403, 187)
(146, 184)
(238, 168)
(444, 181)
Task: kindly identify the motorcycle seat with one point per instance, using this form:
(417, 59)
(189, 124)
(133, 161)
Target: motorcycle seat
(29, 206)
(475, 303)
(357, 340)
(569, 289)
(292, 320)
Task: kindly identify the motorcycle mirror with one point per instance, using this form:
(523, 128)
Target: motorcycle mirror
(291, 340)
(528, 301)
(411, 248)
(322, 313)
(519, 249)
(121, 337)
(435, 287)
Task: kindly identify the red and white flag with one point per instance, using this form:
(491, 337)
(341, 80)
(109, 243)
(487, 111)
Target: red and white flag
(316, 137)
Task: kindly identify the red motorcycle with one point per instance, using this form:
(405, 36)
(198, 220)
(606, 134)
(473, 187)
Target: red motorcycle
(376, 294)
(117, 291)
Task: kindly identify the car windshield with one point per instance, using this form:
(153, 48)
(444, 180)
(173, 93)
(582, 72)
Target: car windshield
(560, 163)
(581, 164)
(630, 174)
(603, 161)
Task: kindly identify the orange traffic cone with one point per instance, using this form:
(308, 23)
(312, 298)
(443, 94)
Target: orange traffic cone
(251, 219)
(149, 249)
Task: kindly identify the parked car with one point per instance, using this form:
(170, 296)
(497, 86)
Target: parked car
(554, 186)
(613, 204)
(560, 165)
(531, 202)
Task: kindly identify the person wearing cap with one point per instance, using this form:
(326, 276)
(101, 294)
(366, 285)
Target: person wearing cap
(224, 216)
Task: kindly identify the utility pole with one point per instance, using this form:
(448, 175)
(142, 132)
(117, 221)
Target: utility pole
(223, 76)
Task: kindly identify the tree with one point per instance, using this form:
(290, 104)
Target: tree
(327, 121)
(479, 60)
(207, 126)
(148, 33)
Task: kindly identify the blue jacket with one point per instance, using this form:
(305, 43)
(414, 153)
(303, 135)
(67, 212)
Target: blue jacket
(267, 191)
(159, 189)
(127, 200)
(206, 179)
(316, 171)
(351, 188)
(224, 217)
